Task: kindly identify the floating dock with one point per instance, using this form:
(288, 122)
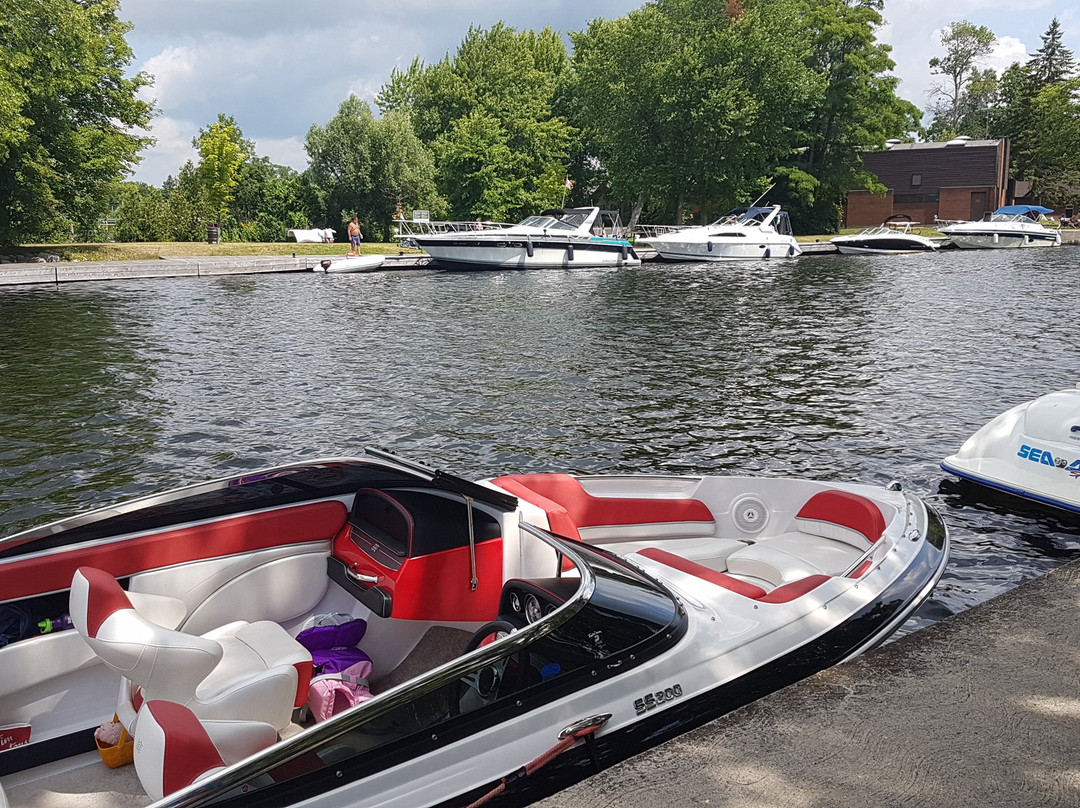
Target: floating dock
(981, 709)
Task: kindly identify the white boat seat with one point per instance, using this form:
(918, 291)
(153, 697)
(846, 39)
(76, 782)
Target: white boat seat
(176, 749)
(834, 530)
(706, 550)
(243, 671)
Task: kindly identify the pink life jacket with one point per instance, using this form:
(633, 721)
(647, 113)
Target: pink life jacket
(341, 669)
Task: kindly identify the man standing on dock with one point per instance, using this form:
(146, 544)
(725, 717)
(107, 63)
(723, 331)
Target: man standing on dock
(355, 236)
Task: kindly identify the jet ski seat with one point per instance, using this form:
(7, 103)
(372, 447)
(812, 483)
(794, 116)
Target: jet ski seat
(240, 671)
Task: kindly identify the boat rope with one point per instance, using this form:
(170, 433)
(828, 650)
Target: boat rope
(567, 738)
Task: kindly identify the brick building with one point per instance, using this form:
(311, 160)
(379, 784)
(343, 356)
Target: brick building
(960, 179)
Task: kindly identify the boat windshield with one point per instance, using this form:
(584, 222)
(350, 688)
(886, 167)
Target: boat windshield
(746, 217)
(603, 623)
(548, 223)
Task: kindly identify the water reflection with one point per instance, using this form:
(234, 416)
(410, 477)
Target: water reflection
(861, 368)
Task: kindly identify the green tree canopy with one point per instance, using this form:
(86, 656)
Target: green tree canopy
(966, 45)
(487, 114)
(69, 116)
(222, 150)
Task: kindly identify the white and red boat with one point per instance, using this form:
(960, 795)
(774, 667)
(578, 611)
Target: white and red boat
(507, 621)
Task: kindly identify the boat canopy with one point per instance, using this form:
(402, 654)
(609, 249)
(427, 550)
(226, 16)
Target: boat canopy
(1025, 210)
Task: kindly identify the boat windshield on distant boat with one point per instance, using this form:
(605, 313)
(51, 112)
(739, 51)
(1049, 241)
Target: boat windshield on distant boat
(744, 233)
(560, 238)
(892, 236)
(1007, 227)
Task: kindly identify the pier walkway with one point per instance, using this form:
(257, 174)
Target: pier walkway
(981, 709)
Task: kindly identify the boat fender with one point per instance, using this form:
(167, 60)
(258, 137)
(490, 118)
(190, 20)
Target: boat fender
(790, 251)
(570, 252)
(325, 263)
(710, 246)
(768, 252)
(625, 251)
(995, 238)
(529, 248)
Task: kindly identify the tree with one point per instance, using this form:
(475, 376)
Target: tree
(1053, 62)
(965, 45)
(1046, 154)
(222, 150)
(141, 213)
(486, 113)
(855, 107)
(366, 166)
(69, 115)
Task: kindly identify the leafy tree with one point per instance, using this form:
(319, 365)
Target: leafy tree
(268, 200)
(1046, 154)
(68, 114)
(965, 45)
(222, 150)
(366, 166)
(188, 207)
(141, 213)
(856, 106)
(487, 115)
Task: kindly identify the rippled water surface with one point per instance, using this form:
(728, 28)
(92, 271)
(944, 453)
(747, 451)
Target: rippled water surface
(867, 369)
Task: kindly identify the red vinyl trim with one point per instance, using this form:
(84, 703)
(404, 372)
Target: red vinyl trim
(304, 670)
(846, 509)
(861, 570)
(788, 592)
(23, 578)
(189, 752)
(104, 597)
(586, 510)
(559, 519)
(736, 585)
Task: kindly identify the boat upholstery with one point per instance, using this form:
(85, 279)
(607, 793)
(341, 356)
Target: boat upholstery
(175, 748)
(779, 594)
(576, 514)
(834, 530)
(250, 671)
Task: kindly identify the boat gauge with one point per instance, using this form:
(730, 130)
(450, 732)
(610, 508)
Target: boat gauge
(533, 611)
(515, 602)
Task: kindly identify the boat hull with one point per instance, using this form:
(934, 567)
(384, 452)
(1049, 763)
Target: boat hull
(359, 263)
(466, 254)
(883, 246)
(724, 250)
(1030, 451)
(997, 240)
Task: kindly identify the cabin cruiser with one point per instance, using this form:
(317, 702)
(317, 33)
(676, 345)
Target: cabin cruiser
(1032, 451)
(754, 232)
(499, 624)
(1008, 226)
(892, 236)
(561, 238)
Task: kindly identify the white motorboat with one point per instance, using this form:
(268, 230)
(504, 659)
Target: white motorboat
(352, 263)
(509, 622)
(561, 238)
(1032, 451)
(744, 233)
(893, 236)
(1007, 227)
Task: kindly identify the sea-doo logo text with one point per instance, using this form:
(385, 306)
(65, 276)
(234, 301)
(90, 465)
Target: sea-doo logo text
(1045, 457)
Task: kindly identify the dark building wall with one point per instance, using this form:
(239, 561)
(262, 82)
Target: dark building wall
(933, 180)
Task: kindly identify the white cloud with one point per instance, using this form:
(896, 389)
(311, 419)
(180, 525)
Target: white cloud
(1007, 49)
(285, 152)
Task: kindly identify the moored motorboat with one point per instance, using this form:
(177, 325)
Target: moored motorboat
(893, 236)
(1007, 227)
(744, 233)
(505, 621)
(1031, 450)
(352, 263)
(562, 238)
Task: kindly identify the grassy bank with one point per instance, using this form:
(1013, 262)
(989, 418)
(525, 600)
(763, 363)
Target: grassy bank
(142, 251)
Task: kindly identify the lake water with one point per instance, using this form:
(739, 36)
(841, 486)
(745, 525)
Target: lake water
(867, 369)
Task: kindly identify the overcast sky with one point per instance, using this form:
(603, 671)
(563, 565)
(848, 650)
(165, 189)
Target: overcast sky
(278, 66)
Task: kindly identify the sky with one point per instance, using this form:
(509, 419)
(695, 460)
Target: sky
(278, 66)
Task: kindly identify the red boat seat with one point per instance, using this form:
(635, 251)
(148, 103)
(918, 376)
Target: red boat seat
(176, 749)
(571, 509)
(245, 671)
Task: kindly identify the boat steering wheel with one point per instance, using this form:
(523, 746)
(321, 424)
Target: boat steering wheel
(481, 687)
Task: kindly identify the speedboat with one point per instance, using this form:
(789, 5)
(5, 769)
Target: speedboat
(892, 236)
(1032, 451)
(352, 263)
(754, 232)
(560, 238)
(503, 624)
(1008, 226)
